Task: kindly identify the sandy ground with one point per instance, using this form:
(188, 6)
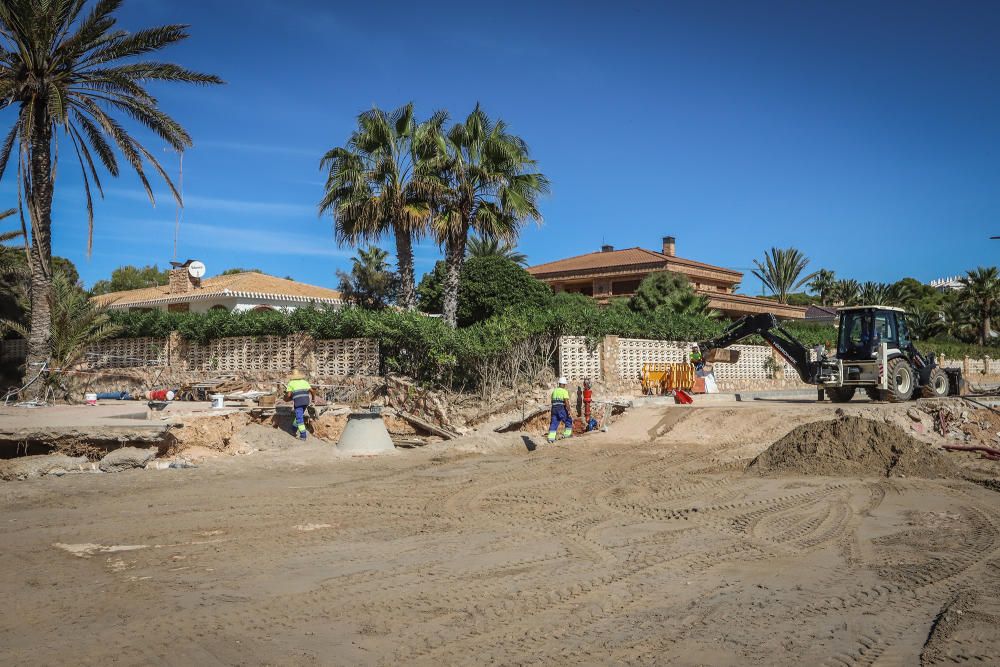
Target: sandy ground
(645, 545)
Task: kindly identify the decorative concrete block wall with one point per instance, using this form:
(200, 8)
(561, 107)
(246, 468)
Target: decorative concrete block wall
(241, 353)
(14, 350)
(128, 353)
(618, 361)
(348, 356)
(577, 360)
(634, 352)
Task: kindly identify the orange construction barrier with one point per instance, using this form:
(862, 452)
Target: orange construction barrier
(662, 378)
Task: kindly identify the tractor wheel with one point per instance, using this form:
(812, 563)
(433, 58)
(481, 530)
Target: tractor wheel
(937, 384)
(840, 394)
(874, 393)
(901, 380)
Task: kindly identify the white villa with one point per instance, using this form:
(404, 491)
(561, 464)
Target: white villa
(188, 292)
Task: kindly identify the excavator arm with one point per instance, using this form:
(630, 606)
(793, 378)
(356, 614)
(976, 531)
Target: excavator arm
(767, 326)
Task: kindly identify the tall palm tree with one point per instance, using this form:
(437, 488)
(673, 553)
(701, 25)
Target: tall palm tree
(485, 183)
(487, 247)
(781, 271)
(846, 292)
(373, 185)
(64, 70)
(822, 285)
(981, 293)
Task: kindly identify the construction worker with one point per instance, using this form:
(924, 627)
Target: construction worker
(696, 359)
(300, 393)
(560, 412)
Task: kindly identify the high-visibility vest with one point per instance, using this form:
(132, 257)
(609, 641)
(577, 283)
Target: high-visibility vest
(560, 397)
(299, 389)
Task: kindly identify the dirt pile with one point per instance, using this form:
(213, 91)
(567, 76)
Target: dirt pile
(851, 446)
(253, 437)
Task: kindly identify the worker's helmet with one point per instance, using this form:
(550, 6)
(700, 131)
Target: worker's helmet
(296, 374)
(563, 380)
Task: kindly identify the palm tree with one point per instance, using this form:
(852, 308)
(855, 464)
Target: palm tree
(876, 294)
(65, 70)
(846, 292)
(781, 270)
(487, 247)
(374, 185)
(486, 183)
(9, 266)
(981, 294)
(925, 323)
(370, 284)
(822, 285)
(959, 321)
(76, 324)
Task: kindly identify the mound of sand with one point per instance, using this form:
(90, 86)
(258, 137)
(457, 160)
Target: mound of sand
(851, 446)
(253, 437)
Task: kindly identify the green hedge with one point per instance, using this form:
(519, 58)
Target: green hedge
(509, 346)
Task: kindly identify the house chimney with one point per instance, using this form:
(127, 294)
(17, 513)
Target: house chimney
(181, 280)
(669, 246)
(607, 248)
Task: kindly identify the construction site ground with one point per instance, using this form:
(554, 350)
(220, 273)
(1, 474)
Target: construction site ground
(649, 544)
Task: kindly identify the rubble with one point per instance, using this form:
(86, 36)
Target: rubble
(28, 467)
(126, 458)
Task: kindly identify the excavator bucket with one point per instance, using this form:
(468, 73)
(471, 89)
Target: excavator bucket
(723, 356)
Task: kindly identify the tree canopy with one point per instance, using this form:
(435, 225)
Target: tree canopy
(131, 277)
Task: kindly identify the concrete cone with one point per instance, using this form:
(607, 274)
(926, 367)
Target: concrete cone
(365, 433)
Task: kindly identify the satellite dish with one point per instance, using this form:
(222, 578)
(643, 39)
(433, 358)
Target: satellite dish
(196, 269)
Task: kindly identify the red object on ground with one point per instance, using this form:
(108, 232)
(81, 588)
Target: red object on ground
(699, 386)
(681, 396)
(158, 394)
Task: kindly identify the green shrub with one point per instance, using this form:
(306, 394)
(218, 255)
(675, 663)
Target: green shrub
(489, 286)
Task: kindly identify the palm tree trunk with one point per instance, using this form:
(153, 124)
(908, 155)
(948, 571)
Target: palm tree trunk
(454, 257)
(984, 335)
(40, 252)
(404, 264)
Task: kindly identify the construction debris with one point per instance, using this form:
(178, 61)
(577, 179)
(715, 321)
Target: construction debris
(445, 433)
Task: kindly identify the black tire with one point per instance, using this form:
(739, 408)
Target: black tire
(901, 380)
(937, 384)
(874, 393)
(840, 394)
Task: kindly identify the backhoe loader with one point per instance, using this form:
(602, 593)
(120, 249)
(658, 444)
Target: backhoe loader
(875, 352)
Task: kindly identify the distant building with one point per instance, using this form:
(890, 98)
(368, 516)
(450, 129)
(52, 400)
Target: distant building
(188, 292)
(614, 273)
(945, 284)
(822, 314)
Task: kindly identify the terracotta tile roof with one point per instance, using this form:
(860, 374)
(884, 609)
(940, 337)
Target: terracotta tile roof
(621, 259)
(736, 302)
(246, 285)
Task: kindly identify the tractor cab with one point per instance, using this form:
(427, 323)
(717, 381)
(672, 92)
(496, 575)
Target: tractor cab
(864, 328)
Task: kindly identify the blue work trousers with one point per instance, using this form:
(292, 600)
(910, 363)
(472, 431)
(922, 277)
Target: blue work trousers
(300, 421)
(560, 416)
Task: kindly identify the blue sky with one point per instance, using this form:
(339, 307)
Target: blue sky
(865, 134)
